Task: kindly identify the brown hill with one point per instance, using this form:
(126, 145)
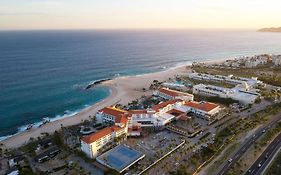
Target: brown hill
(272, 29)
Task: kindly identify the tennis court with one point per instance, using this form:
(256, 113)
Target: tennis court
(120, 158)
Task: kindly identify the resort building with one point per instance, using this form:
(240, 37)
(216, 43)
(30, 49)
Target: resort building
(240, 93)
(129, 123)
(170, 94)
(156, 116)
(163, 111)
(143, 117)
(161, 114)
(252, 82)
(93, 143)
(204, 110)
(109, 115)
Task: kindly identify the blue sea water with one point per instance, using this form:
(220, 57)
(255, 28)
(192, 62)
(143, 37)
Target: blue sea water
(44, 73)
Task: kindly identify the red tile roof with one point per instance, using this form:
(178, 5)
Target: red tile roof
(175, 111)
(135, 128)
(119, 114)
(138, 111)
(164, 104)
(99, 134)
(121, 119)
(204, 106)
(113, 111)
(173, 93)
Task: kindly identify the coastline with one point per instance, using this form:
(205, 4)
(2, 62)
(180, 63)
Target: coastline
(23, 137)
(123, 90)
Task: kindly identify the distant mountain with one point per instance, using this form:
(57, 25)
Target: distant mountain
(272, 29)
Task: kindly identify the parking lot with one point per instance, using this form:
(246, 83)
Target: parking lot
(154, 146)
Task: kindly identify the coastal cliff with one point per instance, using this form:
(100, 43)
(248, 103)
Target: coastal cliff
(272, 29)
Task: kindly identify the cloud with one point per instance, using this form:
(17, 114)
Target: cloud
(23, 14)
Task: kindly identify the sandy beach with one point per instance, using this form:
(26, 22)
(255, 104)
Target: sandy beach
(123, 90)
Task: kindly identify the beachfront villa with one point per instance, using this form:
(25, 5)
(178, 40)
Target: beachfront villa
(170, 94)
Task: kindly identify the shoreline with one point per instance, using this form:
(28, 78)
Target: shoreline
(123, 89)
(23, 137)
(55, 118)
(66, 114)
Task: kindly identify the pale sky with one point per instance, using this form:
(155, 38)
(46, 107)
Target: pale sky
(112, 14)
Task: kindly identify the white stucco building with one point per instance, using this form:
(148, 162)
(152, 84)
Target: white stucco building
(241, 94)
(92, 144)
(205, 110)
(230, 79)
(162, 113)
(170, 94)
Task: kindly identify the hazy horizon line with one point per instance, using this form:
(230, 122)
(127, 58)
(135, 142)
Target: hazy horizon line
(127, 29)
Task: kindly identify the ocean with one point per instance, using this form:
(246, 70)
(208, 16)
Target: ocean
(44, 73)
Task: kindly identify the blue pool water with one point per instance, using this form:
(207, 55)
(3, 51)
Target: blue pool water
(43, 73)
(114, 161)
(128, 152)
(121, 156)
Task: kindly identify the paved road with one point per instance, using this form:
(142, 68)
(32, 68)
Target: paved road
(246, 145)
(261, 163)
